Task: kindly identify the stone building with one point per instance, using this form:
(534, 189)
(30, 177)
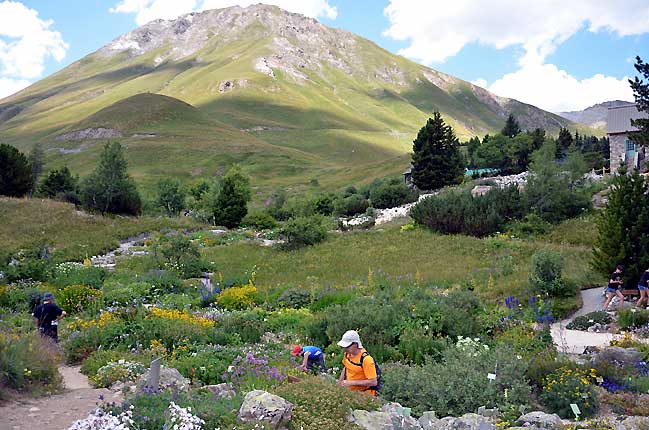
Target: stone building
(623, 150)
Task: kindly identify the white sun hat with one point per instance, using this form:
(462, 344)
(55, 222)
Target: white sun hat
(350, 336)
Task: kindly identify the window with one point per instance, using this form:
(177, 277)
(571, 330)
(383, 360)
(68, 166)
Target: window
(630, 146)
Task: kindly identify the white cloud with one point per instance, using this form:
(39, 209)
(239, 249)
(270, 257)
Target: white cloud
(10, 86)
(148, 10)
(435, 31)
(440, 29)
(481, 82)
(552, 89)
(26, 41)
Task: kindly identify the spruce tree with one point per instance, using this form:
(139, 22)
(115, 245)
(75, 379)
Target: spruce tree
(563, 142)
(228, 201)
(436, 158)
(511, 128)
(58, 181)
(641, 93)
(15, 172)
(623, 228)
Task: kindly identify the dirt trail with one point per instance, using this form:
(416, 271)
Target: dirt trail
(55, 412)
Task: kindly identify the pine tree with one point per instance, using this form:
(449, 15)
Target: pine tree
(15, 172)
(623, 228)
(511, 128)
(563, 142)
(57, 181)
(436, 158)
(641, 93)
(109, 188)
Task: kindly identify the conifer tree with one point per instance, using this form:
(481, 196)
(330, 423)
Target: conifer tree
(563, 142)
(228, 200)
(511, 128)
(15, 172)
(436, 158)
(623, 228)
(641, 93)
(57, 181)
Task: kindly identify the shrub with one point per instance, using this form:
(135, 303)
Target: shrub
(179, 254)
(392, 193)
(459, 212)
(75, 298)
(240, 297)
(632, 317)
(117, 371)
(321, 404)
(261, 220)
(546, 276)
(295, 298)
(351, 205)
(305, 231)
(569, 385)
(27, 365)
(241, 326)
(583, 322)
(530, 225)
(70, 273)
(627, 403)
(458, 383)
(204, 367)
(331, 298)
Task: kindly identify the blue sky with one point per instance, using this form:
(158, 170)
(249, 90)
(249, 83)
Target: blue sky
(544, 52)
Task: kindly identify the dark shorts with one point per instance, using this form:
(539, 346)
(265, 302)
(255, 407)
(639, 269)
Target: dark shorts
(611, 290)
(50, 332)
(318, 362)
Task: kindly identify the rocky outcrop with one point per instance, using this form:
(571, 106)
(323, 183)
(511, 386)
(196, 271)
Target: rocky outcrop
(465, 422)
(272, 410)
(634, 423)
(91, 133)
(221, 391)
(170, 378)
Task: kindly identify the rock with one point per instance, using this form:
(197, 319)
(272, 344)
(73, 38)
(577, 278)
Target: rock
(382, 420)
(623, 356)
(634, 423)
(480, 190)
(465, 422)
(221, 391)
(489, 413)
(541, 420)
(260, 405)
(91, 133)
(394, 408)
(427, 420)
(169, 378)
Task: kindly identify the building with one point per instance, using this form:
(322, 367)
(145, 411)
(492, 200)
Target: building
(623, 150)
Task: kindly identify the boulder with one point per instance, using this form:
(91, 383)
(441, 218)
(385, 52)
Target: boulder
(615, 354)
(465, 422)
(541, 420)
(480, 190)
(381, 420)
(221, 391)
(272, 410)
(169, 378)
(427, 420)
(634, 423)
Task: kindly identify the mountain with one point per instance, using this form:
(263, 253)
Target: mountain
(291, 100)
(594, 116)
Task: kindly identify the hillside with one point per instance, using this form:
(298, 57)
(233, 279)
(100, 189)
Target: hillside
(287, 97)
(594, 116)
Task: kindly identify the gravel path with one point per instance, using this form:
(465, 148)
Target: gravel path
(575, 341)
(55, 412)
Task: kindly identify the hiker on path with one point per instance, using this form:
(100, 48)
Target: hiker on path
(47, 317)
(360, 371)
(313, 356)
(614, 287)
(643, 284)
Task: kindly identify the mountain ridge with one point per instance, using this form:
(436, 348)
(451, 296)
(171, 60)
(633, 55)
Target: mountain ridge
(595, 115)
(268, 76)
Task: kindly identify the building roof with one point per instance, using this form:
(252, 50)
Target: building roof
(619, 118)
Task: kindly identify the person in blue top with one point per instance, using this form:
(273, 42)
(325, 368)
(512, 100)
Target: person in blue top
(614, 287)
(313, 356)
(643, 284)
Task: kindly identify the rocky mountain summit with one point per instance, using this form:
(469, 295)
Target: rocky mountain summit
(595, 115)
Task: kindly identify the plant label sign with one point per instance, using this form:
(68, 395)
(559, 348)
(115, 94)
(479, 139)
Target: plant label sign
(491, 376)
(575, 410)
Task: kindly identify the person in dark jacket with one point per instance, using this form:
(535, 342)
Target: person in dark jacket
(614, 287)
(643, 284)
(47, 317)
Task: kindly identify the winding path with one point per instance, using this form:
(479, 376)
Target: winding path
(575, 341)
(55, 412)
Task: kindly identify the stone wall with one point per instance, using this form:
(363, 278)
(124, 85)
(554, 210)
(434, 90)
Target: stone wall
(618, 150)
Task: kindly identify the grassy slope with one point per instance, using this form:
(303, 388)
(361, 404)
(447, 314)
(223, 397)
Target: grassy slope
(339, 127)
(74, 234)
(345, 259)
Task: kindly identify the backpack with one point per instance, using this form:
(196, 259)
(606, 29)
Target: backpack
(379, 383)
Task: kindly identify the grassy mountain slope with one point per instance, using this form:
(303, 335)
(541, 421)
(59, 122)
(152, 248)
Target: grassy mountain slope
(287, 97)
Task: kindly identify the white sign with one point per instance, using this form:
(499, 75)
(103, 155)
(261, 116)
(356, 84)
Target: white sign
(491, 376)
(575, 410)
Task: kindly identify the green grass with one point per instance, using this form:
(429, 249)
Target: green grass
(495, 267)
(73, 234)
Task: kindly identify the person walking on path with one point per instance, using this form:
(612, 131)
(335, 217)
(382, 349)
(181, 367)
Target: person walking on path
(47, 317)
(614, 287)
(313, 356)
(643, 284)
(359, 371)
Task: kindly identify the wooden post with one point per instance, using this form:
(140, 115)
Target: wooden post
(154, 374)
